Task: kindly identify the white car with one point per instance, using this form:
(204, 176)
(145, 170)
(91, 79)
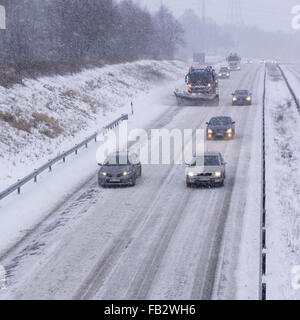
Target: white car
(207, 169)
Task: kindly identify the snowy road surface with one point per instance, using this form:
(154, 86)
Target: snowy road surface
(158, 240)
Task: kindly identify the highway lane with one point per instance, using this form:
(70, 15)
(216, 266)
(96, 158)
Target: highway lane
(157, 240)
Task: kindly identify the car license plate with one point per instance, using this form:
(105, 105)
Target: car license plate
(115, 180)
(203, 179)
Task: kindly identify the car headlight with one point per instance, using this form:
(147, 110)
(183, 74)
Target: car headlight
(191, 174)
(220, 74)
(209, 85)
(229, 131)
(104, 174)
(189, 86)
(209, 131)
(125, 173)
(248, 98)
(227, 74)
(234, 99)
(218, 174)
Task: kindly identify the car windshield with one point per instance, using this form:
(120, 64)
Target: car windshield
(117, 160)
(200, 78)
(242, 92)
(220, 121)
(223, 70)
(207, 160)
(234, 59)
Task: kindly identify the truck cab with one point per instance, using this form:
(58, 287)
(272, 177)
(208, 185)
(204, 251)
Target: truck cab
(201, 79)
(234, 62)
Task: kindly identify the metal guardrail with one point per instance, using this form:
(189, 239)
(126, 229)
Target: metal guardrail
(48, 166)
(262, 254)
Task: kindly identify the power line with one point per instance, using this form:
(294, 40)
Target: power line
(203, 11)
(234, 13)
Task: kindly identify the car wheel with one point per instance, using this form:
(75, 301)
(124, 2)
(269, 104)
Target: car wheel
(133, 181)
(188, 184)
(140, 173)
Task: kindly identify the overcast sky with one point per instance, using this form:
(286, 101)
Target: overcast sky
(266, 14)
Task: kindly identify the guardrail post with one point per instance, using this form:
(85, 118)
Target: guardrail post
(35, 177)
(19, 188)
(64, 159)
(76, 150)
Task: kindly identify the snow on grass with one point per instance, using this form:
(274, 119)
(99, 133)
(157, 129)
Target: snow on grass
(46, 116)
(283, 188)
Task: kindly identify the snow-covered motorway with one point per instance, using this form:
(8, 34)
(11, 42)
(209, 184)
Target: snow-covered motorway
(158, 240)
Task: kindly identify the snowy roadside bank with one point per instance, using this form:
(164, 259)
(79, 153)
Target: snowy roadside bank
(49, 115)
(283, 188)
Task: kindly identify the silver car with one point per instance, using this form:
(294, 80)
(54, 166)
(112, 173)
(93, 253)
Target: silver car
(120, 168)
(207, 169)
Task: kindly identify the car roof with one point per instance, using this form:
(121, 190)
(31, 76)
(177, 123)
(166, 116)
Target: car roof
(209, 153)
(241, 90)
(121, 153)
(221, 118)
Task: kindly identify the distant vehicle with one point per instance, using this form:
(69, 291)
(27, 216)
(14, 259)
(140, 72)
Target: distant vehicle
(224, 73)
(241, 97)
(249, 61)
(220, 127)
(202, 87)
(120, 168)
(234, 62)
(208, 169)
(199, 57)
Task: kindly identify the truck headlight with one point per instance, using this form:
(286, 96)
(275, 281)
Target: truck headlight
(189, 86)
(209, 85)
(191, 174)
(229, 131)
(104, 174)
(234, 99)
(209, 131)
(218, 174)
(248, 98)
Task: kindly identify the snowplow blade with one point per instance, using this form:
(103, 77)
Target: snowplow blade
(187, 99)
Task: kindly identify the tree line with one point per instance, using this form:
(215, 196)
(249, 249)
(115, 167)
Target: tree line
(86, 30)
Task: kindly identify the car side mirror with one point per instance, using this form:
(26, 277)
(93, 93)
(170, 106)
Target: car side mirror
(233, 122)
(100, 164)
(206, 122)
